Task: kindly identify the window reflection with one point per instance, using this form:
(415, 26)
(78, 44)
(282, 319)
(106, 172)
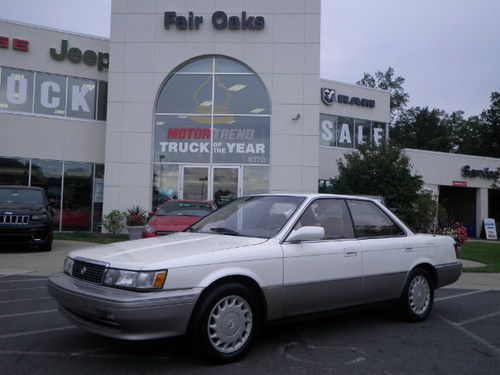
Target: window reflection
(255, 180)
(165, 180)
(77, 196)
(14, 171)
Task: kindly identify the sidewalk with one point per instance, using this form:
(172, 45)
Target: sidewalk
(33, 262)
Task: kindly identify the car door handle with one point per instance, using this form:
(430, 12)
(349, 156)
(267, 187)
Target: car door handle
(408, 249)
(350, 252)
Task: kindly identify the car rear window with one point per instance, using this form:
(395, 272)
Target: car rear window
(184, 209)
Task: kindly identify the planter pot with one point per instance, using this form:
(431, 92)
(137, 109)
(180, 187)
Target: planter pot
(135, 231)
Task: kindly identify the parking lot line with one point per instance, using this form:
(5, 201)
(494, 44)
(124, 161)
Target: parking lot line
(28, 313)
(27, 333)
(485, 316)
(21, 280)
(25, 300)
(469, 333)
(461, 295)
(62, 354)
(18, 289)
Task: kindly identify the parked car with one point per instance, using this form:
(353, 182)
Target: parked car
(175, 216)
(257, 259)
(25, 217)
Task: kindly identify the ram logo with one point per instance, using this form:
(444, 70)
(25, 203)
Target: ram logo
(327, 96)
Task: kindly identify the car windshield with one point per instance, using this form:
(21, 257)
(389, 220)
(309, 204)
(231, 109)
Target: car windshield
(184, 209)
(257, 216)
(21, 196)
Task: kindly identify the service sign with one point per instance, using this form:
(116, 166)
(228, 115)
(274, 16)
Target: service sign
(490, 229)
(232, 140)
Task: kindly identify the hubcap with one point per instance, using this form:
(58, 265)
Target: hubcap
(419, 295)
(229, 324)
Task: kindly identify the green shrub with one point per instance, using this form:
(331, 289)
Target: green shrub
(113, 221)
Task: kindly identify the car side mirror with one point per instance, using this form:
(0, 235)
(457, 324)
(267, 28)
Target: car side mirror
(307, 233)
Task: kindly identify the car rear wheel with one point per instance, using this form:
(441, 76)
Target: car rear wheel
(415, 304)
(224, 326)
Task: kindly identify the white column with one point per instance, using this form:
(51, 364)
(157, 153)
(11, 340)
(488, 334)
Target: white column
(481, 208)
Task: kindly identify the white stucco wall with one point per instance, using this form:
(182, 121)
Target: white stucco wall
(50, 137)
(285, 55)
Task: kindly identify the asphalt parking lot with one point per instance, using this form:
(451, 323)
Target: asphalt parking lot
(462, 336)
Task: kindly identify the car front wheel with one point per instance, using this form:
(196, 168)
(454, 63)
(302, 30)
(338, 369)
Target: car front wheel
(415, 304)
(224, 326)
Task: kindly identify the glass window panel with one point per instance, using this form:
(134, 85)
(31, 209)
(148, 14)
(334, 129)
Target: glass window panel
(14, 171)
(165, 183)
(182, 138)
(102, 101)
(345, 132)
(98, 197)
(332, 215)
(363, 132)
(255, 180)
(327, 124)
(81, 98)
(378, 133)
(186, 93)
(240, 94)
(195, 183)
(198, 66)
(50, 94)
(77, 196)
(48, 175)
(16, 90)
(225, 185)
(223, 65)
(371, 221)
(242, 140)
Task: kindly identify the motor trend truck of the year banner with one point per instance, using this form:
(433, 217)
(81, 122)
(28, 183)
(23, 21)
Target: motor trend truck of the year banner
(246, 143)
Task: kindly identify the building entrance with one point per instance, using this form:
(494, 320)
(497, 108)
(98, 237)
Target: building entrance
(460, 204)
(218, 183)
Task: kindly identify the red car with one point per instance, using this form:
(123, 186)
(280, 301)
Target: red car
(175, 216)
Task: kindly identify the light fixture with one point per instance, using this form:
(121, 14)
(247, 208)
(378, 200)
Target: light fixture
(257, 110)
(236, 87)
(206, 103)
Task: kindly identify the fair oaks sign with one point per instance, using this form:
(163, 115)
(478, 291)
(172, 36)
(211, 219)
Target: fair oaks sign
(220, 21)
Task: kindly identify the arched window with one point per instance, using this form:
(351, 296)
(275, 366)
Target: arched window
(215, 111)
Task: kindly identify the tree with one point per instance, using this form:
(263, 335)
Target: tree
(388, 81)
(424, 129)
(385, 171)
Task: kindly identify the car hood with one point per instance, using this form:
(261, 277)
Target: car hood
(176, 250)
(172, 223)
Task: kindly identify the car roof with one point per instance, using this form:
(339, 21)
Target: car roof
(20, 187)
(319, 195)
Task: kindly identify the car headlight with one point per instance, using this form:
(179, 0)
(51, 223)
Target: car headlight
(39, 217)
(150, 229)
(139, 280)
(68, 265)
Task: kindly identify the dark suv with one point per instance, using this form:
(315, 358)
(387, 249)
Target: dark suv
(25, 217)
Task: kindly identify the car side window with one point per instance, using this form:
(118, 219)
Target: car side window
(371, 221)
(332, 215)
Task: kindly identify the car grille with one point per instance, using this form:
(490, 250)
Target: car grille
(91, 272)
(14, 219)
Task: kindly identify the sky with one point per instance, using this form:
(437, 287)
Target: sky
(447, 50)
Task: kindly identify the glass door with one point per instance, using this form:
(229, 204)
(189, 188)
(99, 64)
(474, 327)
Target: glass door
(194, 183)
(226, 184)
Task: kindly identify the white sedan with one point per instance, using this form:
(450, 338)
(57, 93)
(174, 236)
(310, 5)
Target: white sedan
(257, 259)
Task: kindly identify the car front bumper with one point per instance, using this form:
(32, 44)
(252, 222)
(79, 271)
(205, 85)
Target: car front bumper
(31, 235)
(448, 273)
(123, 314)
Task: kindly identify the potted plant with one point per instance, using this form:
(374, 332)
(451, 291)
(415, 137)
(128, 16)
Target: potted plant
(136, 218)
(459, 233)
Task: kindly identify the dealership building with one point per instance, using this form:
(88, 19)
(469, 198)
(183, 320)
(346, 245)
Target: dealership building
(196, 99)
